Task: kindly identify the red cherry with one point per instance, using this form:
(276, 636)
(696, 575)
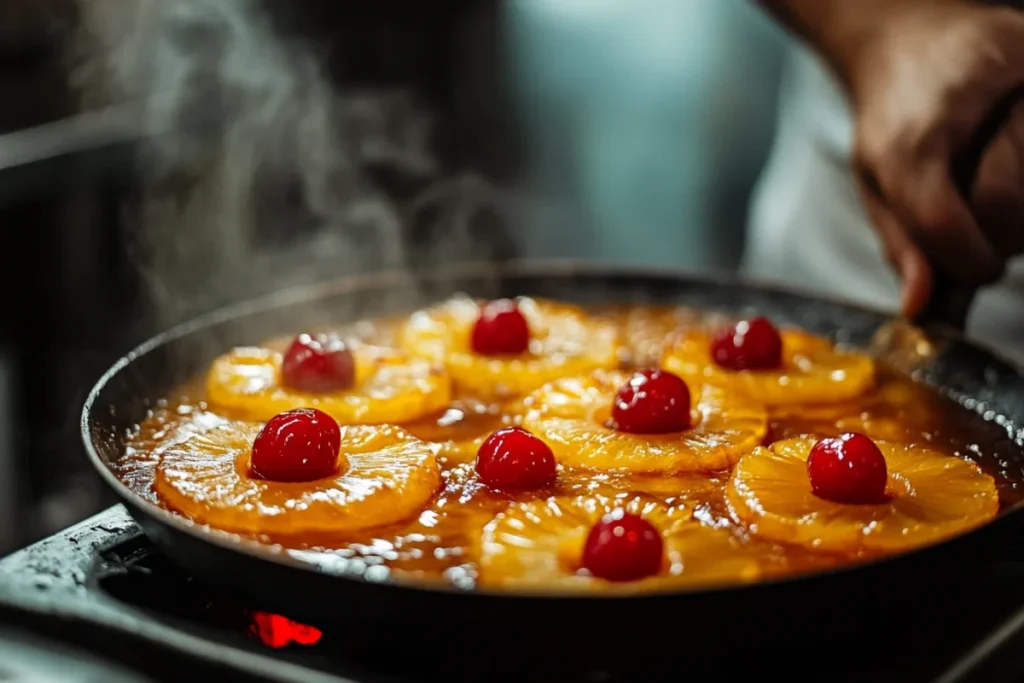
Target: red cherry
(748, 345)
(501, 330)
(299, 445)
(318, 365)
(848, 469)
(623, 547)
(652, 402)
(513, 458)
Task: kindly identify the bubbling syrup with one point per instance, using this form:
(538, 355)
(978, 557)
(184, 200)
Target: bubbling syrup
(439, 544)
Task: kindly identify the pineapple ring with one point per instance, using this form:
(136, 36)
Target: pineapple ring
(646, 330)
(692, 489)
(932, 497)
(896, 411)
(880, 428)
(388, 476)
(571, 414)
(464, 426)
(564, 341)
(390, 387)
(696, 491)
(538, 545)
(891, 394)
(813, 370)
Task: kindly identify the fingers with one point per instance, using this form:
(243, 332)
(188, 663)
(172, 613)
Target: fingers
(942, 224)
(911, 175)
(997, 197)
(918, 112)
(905, 256)
(921, 194)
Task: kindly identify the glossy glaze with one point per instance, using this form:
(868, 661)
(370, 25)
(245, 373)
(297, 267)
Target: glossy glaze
(442, 543)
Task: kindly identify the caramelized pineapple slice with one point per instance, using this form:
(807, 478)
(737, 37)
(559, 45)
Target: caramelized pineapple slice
(931, 497)
(690, 488)
(539, 545)
(891, 394)
(463, 426)
(898, 410)
(813, 371)
(464, 487)
(385, 476)
(572, 416)
(390, 387)
(564, 340)
(644, 331)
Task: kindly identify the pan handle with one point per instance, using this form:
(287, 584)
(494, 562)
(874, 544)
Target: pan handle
(951, 300)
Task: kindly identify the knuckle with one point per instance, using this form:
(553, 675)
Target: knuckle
(933, 206)
(995, 194)
(869, 153)
(937, 216)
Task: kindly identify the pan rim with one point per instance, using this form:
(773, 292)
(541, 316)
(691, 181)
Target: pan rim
(277, 555)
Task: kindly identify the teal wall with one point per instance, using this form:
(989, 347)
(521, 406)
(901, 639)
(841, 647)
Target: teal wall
(650, 119)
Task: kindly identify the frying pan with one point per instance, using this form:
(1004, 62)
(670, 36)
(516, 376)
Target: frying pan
(547, 626)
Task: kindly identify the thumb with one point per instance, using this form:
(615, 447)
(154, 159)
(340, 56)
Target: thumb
(916, 274)
(906, 257)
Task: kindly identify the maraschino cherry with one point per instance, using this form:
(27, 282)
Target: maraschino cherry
(298, 445)
(623, 547)
(500, 330)
(652, 402)
(318, 364)
(848, 469)
(748, 345)
(513, 458)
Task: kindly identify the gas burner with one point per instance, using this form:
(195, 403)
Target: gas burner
(101, 586)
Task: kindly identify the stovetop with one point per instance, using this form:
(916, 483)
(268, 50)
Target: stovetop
(101, 587)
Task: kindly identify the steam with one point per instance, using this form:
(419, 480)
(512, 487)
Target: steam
(261, 174)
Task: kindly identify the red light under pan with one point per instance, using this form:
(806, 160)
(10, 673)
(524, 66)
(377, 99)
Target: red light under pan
(276, 631)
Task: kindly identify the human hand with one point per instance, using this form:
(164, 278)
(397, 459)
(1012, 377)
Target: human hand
(923, 85)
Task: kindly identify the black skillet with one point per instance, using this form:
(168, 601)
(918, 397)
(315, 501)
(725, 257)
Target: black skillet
(516, 630)
(546, 627)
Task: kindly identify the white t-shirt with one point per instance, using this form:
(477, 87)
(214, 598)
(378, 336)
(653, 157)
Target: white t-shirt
(808, 228)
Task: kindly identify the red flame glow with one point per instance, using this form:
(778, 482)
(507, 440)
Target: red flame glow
(276, 631)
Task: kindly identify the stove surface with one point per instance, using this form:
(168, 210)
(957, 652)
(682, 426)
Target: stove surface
(28, 658)
(101, 587)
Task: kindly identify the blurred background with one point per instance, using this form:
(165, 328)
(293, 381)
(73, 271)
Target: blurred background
(158, 159)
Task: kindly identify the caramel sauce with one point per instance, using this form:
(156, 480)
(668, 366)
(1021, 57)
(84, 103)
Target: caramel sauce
(439, 544)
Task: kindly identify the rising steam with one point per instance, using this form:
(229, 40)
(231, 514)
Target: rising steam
(260, 173)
